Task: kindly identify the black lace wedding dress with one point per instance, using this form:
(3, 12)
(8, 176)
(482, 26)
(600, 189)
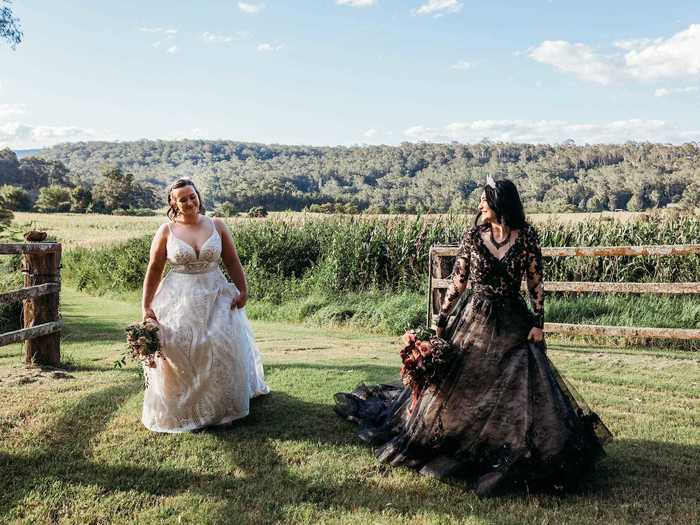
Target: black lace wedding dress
(501, 413)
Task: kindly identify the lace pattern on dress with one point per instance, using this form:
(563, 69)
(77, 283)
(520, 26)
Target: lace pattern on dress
(477, 264)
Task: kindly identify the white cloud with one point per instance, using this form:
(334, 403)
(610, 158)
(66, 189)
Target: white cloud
(634, 59)
(251, 8)
(168, 33)
(578, 59)
(217, 38)
(462, 64)
(213, 38)
(167, 36)
(665, 92)
(555, 131)
(11, 110)
(194, 133)
(357, 3)
(632, 43)
(676, 56)
(371, 133)
(16, 135)
(269, 48)
(438, 7)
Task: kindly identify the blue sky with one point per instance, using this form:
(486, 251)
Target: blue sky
(341, 72)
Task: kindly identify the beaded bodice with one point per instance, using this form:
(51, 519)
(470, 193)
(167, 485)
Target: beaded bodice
(184, 259)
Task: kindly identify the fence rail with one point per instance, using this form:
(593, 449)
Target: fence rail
(589, 286)
(438, 283)
(42, 325)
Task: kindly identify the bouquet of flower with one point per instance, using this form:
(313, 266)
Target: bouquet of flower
(143, 343)
(424, 357)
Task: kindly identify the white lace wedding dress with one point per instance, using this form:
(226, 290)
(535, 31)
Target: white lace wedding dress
(211, 366)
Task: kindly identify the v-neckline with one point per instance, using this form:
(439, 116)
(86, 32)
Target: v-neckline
(506, 253)
(197, 253)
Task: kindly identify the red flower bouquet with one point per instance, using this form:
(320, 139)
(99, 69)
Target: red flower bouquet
(424, 358)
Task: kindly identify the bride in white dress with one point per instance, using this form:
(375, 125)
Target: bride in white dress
(211, 366)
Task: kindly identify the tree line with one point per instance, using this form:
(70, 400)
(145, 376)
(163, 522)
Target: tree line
(408, 178)
(34, 183)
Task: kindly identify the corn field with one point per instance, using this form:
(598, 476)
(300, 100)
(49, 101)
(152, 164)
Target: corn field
(351, 254)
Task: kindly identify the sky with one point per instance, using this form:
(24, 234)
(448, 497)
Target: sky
(345, 72)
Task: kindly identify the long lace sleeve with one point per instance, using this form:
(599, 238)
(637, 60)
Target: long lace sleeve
(535, 278)
(459, 276)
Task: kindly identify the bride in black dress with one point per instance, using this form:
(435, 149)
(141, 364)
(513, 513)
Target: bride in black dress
(500, 413)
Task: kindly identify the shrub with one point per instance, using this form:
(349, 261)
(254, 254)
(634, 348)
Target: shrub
(81, 199)
(225, 210)
(135, 212)
(257, 211)
(16, 198)
(53, 199)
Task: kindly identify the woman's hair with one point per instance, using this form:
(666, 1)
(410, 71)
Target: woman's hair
(181, 183)
(505, 202)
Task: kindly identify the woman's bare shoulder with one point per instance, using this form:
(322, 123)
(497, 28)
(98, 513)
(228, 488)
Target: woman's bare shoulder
(220, 224)
(162, 232)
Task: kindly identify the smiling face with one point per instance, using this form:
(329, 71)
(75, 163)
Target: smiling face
(487, 214)
(185, 200)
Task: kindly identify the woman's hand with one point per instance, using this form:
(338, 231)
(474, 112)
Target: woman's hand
(240, 300)
(148, 313)
(536, 335)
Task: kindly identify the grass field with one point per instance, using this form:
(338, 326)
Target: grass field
(72, 449)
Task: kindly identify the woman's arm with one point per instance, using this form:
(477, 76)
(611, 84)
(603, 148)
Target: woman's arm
(460, 277)
(535, 284)
(156, 263)
(229, 257)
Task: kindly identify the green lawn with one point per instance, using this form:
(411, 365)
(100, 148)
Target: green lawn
(72, 449)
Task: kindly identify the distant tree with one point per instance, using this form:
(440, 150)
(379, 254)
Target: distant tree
(116, 190)
(419, 177)
(53, 199)
(36, 173)
(257, 211)
(225, 210)
(6, 215)
(16, 198)
(147, 196)
(81, 199)
(691, 196)
(349, 208)
(9, 25)
(636, 203)
(375, 209)
(9, 167)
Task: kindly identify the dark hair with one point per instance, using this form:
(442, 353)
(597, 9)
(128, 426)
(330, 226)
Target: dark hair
(181, 183)
(505, 202)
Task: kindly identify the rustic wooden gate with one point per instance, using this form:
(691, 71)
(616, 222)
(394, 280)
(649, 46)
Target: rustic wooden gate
(440, 266)
(41, 262)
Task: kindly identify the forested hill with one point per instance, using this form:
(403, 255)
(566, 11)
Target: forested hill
(409, 177)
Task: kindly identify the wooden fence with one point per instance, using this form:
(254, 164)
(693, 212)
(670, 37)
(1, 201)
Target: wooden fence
(439, 282)
(41, 262)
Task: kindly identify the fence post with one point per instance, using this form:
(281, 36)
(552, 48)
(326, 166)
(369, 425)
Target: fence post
(42, 268)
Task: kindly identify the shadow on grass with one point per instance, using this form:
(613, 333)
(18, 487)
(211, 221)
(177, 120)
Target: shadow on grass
(663, 476)
(370, 373)
(84, 328)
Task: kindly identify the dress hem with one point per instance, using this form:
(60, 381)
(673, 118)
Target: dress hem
(191, 428)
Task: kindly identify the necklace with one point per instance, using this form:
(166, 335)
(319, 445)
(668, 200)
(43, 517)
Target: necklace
(501, 244)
